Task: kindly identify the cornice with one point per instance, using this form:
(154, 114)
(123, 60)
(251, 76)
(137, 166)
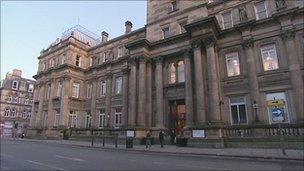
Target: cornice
(205, 22)
(138, 43)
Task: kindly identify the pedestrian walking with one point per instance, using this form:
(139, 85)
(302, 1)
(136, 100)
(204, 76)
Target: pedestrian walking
(161, 138)
(148, 139)
(172, 136)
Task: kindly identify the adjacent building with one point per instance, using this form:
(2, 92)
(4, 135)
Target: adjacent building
(16, 99)
(206, 65)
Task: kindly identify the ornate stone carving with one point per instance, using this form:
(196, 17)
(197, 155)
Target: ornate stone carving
(280, 4)
(287, 35)
(132, 60)
(109, 75)
(209, 41)
(143, 59)
(248, 43)
(243, 13)
(125, 70)
(196, 44)
(158, 59)
(187, 53)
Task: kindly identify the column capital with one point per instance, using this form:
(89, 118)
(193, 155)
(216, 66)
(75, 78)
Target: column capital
(248, 43)
(287, 34)
(209, 41)
(187, 53)
(158, 60)
(143, 59)
(108, 75)
(196, 44)
(132, 60)
(125, 71)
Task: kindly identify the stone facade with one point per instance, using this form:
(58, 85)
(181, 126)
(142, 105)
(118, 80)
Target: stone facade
(16, 102)
(195, 65)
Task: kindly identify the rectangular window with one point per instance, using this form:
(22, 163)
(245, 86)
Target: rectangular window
(233, 64)
(104, 57)
(260, 10)
(63, 59)
(48, 91)
(15, 99)
(182, 27)
(45, 119)
(103, 88)
(120, 52)
(44, 66)
(181, 71)
(15, 85)
(52, 61)
(57, 118)
(73, 119)
(227, 20)
(102, 118)
(118, 117)
(174, 6)
(118, 85)
(9, 99)
(75, 91)
(88, 120)
(22, 86)
(269, 57)
(89, 90)
(238, 110)
(59, 89)
(31, 88)
(277, 106)
(166, 32)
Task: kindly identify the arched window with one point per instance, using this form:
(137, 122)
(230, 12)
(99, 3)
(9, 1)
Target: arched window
(171, 73)
(181, 71)
(13, 113)
(7, 112)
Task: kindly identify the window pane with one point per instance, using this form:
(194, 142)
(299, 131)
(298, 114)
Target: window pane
(234, 114)
(172, 72)
(242, 113)
(233, 65)
(269, 56)
(181, 71)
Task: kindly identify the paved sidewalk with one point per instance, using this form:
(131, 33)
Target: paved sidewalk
(291, 154)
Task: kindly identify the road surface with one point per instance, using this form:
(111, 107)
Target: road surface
(26, 155)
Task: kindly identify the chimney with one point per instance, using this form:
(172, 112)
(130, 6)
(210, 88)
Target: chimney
(128, 25)
(104, 37)
(17, 72)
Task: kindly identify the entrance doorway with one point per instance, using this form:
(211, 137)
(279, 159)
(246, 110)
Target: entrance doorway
(177, 118)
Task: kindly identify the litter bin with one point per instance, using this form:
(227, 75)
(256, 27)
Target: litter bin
(129, 142)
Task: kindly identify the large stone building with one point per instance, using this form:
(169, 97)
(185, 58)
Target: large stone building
(196, 65)
(16, 99)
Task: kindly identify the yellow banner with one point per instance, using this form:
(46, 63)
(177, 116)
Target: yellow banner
(279, 103)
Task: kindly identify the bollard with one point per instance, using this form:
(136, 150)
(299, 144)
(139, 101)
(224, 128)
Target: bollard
(115, 141)
(103, 140)
(92, 142)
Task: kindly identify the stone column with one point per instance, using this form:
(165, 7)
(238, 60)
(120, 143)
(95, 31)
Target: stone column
(149, 95)
(108, 99)
(51, 112)
(64, 108)
(141, 92)
(159, 93)
(188, 88)
(213, 80)
(93, 103)
(132, 92)
(295, 73)
(253, 79)
(199, 83)
(39, 117)
(125, 84)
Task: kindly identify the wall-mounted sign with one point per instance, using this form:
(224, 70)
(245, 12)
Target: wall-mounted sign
(198, 133)
(130, 133)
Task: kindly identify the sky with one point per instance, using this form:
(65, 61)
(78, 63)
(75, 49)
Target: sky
(27, 27)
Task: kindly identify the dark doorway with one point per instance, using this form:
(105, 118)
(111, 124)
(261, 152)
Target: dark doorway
(177, 117)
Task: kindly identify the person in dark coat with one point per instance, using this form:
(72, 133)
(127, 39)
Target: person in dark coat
(161, 138)
(148, 139)
(172, 136)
